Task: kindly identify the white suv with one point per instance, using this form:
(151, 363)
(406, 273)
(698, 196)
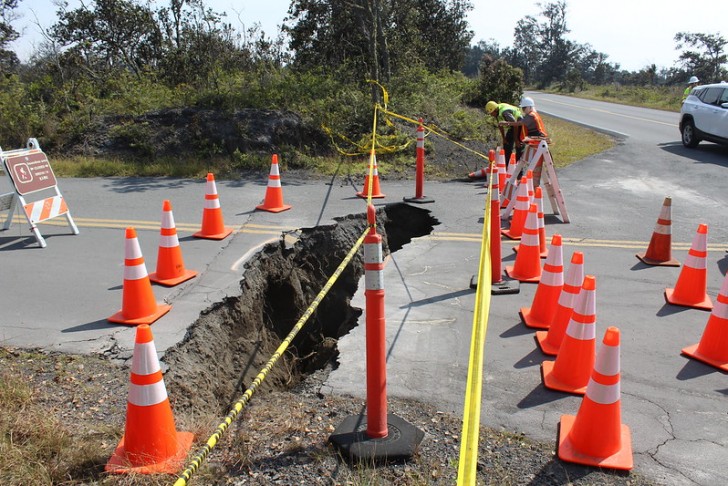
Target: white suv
(704, 115)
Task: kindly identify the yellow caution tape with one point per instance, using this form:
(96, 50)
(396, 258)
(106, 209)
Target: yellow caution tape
(245, 398)
(467, 465)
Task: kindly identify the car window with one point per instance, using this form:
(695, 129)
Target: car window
(711, 95)
(723, 97)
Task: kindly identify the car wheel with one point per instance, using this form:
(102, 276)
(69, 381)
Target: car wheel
(689, 139)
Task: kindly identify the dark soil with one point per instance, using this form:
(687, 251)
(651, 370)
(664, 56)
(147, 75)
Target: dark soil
(190, 132)
(282, 435)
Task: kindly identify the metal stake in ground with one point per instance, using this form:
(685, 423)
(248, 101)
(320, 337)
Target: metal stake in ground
(420, 175)
(378, 437)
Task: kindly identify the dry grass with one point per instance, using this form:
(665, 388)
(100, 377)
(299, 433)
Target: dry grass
(573, 142)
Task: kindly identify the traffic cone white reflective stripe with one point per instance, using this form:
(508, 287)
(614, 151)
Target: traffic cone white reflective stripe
(574, 363)
(520, 212)
(213, 225)
(596, 436)
(134, 266)
(170, 269)
(713, 346)
(543, 308)
(147, 385)
(502, 171)
(527, 267)
(273, 201)
(138, 303)
(691, 287)
(371, 184)
(168, 234)
(550, 341)
(607, 365)
(151, 444)
(373, 266)
(659, 251)
(212, 200)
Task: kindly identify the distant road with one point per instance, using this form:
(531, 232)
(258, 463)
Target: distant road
(644, 124)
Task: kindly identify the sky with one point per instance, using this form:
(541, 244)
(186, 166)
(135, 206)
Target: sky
(633, 33)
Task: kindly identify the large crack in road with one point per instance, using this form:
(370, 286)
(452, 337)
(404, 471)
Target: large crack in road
(232, 340)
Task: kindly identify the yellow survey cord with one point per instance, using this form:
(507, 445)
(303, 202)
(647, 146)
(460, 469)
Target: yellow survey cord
(433, 130)
(467, 465)
(245, 398)
(371, 158)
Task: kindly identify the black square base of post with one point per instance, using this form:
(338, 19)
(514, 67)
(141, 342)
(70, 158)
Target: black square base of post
(418, 200)
(499, 288)
(351, 440)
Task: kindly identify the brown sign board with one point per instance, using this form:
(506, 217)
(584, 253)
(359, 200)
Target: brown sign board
(30, 172)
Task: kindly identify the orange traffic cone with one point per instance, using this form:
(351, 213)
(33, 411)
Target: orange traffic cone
(573, 366)
(543, 308)
(213, 226)
(713, 346)
(274, 192)
(509, 191)
(538, 200)
(596, 436)
(138, 303)
(520, 212)
(502, 169)
(171, 269)
(512, 162)
(481, 173)
(550, 341)
(659, 251)
(478, 174)
(374, 180)
(527, 267)
(692, 284)
(151, 444)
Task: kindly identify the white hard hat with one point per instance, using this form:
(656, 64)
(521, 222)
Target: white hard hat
(693, 79)
(527, 101)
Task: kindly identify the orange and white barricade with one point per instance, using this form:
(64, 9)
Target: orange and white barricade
(35, 189)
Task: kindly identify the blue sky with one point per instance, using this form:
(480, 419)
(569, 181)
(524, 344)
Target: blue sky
(633, 33)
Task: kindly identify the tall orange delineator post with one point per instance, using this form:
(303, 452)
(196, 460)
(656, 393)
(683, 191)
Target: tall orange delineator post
(499, 285)
(375, 337)
(420, 174)
(376, 445)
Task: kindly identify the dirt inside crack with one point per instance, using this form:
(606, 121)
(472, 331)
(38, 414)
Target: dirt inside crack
(232, 340)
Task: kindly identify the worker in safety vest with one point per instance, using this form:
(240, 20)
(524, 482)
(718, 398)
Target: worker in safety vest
(532, 129)
(531, 123)
(507, 116)
(692, 82)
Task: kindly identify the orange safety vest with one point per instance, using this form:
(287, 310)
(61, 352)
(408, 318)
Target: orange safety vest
(533, 126)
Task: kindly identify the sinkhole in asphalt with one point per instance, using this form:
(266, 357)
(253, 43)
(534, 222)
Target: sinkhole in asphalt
(232, 340)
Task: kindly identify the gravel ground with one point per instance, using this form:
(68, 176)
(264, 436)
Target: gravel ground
(281, 437)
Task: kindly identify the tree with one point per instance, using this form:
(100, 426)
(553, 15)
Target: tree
(8, 59)
(706, 58)
(475, 53)
(110, 34)
(547, 54)
(373, 38)
(498, 81)
(196, 44)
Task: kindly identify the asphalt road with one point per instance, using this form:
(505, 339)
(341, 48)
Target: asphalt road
(58, 298)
